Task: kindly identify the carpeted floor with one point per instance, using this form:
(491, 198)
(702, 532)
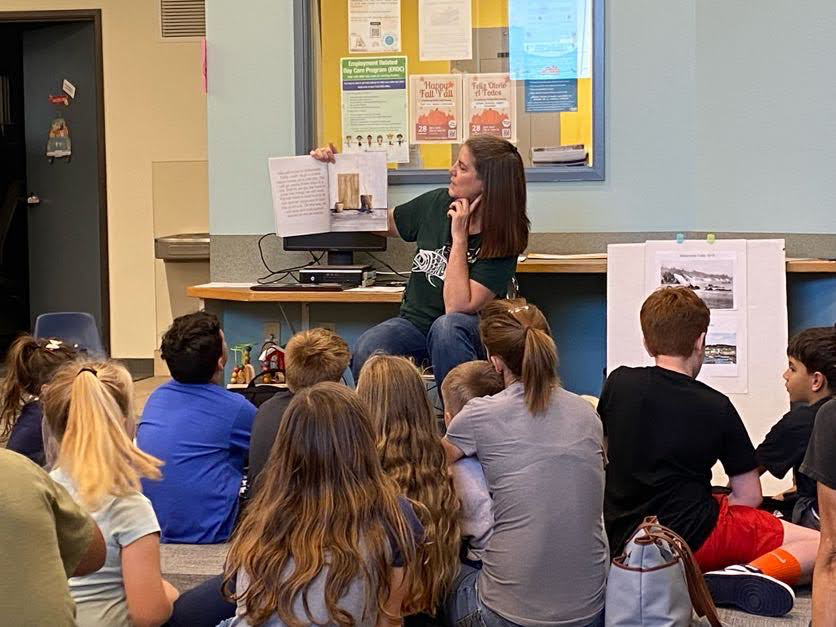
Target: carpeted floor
(187, 565)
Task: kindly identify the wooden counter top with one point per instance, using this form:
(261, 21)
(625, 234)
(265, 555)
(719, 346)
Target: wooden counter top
(246, 295)
(587, 265)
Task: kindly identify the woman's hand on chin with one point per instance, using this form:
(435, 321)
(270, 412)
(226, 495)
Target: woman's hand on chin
(324, 153)
(460, 212)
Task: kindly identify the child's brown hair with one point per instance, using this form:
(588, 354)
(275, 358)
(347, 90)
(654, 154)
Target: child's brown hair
(30, 363)
(518, 332)
(411, 453)
(472, 379)
(315, 356)
(672, 319)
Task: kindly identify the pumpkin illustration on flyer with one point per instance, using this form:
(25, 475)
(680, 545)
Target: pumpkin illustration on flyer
(491, 106)
(436, 101)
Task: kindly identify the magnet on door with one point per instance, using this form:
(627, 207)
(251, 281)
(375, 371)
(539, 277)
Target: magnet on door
(59, 145)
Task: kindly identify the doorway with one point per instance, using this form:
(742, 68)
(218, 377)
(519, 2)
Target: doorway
(53, 201)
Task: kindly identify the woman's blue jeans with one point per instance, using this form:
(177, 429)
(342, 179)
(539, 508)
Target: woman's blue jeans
(452, 340)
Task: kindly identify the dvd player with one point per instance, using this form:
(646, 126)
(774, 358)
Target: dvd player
(344, 275)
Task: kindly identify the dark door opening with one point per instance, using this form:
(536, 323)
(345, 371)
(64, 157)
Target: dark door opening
(54, 254)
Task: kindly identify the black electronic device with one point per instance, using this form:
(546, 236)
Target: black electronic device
(340, 246)
(355, 275)
(297, 287)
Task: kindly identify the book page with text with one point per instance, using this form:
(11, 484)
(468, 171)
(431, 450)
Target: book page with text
(299, 186)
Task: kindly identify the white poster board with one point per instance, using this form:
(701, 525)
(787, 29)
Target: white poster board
(763, 314)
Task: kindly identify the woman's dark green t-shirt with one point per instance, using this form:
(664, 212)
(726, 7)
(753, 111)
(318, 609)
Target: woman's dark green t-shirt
(424, 220)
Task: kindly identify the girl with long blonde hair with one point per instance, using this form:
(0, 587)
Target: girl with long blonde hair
(541, 449)
(327, 539)
(88, 411)
(410, 450)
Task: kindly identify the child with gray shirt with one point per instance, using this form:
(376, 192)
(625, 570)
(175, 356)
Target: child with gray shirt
(472, 379)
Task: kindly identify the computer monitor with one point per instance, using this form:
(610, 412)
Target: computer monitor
(340, 246)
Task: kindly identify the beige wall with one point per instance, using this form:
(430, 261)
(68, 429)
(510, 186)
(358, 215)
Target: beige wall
(181, 205)
(155, 111)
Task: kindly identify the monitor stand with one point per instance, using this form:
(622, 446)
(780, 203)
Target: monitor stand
(340, 258)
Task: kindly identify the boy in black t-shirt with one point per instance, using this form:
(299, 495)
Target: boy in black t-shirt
(311, 357)
(820, 465)
(810, 380)
(665, 431)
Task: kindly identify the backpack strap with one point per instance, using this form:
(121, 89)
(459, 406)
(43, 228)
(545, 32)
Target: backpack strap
(651, 531)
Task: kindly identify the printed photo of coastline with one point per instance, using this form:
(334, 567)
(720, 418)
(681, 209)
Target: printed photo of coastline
(711, 279)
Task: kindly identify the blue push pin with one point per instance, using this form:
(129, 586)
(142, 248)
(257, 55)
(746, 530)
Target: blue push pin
(710, 238)
(680, 237)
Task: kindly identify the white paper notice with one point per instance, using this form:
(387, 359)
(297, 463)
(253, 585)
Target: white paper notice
(300, 195)
(374, 25)
(445, 30)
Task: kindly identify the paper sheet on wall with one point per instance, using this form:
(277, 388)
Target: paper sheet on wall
(445, 30)
(374, 106)
(435, 108)
(765, 400)
(549, 38)
(717, 274)
(490, 106)
(374, 25)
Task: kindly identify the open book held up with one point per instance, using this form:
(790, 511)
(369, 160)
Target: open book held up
(310, 196)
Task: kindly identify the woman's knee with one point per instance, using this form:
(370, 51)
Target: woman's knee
(454, 325)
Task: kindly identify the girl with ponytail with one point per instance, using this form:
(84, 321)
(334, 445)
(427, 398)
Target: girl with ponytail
(541, 449)
(88, 412)
(29, 364)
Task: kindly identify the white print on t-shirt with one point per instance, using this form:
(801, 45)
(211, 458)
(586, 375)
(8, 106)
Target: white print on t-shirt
(433, 263)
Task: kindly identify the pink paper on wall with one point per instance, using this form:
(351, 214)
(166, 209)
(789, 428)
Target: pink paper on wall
(203, 65)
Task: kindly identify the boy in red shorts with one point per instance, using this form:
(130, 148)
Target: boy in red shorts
(665, 431)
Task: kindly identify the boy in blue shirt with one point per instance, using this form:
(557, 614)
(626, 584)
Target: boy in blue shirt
(202, 433)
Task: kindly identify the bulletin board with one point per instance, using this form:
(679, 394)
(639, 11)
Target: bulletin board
(490, 32)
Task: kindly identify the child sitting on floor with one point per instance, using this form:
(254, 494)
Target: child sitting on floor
(811, 382)
(409, 447)
(472, 379)
(310, 357)
(326, 538)
(665, 432)
(29, 364)
(88, 409)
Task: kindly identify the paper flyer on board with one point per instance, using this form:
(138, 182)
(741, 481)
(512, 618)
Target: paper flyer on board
(490, 106)
(549, 38)
(310, 196)
(445, 30)
(374, 25)
(374, 106)
(435, 108)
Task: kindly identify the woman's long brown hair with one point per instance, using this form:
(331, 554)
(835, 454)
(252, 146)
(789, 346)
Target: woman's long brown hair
(323, 502)
(505, 223)
(518, 333)
(409, 446)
